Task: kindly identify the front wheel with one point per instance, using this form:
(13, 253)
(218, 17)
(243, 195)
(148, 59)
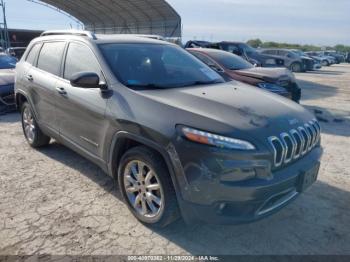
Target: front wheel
(296, 67)
(32, 132)
(325, 63)
(147, 188)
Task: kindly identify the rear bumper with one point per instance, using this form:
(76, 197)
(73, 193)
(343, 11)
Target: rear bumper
(214, 201)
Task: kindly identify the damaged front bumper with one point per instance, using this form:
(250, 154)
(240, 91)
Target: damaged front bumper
(223, 187)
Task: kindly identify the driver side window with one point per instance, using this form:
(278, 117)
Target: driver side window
(80, 59)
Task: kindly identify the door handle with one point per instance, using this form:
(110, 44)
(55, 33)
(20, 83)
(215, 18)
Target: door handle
(30, 78)
(61, 91)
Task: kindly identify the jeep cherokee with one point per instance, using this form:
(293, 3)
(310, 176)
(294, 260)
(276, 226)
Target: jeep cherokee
(179, 140)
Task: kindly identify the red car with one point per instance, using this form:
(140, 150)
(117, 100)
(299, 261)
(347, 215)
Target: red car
(277, 80)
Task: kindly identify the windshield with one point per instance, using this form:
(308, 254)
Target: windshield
(150, 66)
(247, 49)
(300, 53)
(230, 61)
(7, 62)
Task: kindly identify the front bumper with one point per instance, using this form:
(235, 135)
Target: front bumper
(214, 192)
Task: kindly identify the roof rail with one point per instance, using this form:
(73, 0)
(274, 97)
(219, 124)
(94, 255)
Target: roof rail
(70, 32)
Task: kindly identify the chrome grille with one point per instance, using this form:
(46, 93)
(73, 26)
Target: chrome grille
(289, 146)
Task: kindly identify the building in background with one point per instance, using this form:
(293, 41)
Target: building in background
(22, 37)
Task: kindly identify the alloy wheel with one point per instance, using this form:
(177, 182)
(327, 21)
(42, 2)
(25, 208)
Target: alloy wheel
(296, 68)
(28, 125)
(143, 189)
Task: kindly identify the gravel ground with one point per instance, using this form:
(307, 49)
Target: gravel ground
(53, 201)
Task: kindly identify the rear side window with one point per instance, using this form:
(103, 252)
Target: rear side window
(33, 54)
(80, 59)
(50, 57)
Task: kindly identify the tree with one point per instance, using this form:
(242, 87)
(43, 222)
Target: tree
(258, 43)
(255, 43)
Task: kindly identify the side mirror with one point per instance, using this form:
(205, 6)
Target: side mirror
(86, 80)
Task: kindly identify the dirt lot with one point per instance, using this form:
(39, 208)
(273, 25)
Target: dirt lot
(53, 201)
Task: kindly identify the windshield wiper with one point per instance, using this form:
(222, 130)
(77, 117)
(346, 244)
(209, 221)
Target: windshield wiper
(157, 86)
(200, 83)
(147, 86)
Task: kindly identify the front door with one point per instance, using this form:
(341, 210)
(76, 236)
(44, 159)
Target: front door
(80, 111)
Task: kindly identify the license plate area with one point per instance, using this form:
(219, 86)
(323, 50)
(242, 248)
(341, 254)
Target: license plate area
(308, 178)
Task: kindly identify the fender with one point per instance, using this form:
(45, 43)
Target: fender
(175, 169)
(22, 92)
(118, 136)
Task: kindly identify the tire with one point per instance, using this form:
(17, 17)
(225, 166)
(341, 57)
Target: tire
(32, 132)
(325, 63)
(139, 199)
(296, 67)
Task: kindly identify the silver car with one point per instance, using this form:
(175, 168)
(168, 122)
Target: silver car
(292, 60)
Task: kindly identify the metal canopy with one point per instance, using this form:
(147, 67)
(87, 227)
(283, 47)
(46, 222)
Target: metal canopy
(123, 16)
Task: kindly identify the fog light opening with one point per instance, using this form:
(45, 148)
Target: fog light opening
(221, 208)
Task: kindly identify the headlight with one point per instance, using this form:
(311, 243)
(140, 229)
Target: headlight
(206, 138)
(270, 61)
(271, 87)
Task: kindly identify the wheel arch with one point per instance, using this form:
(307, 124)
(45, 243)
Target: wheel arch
(123, 141)
(20, 99)
(119, 146)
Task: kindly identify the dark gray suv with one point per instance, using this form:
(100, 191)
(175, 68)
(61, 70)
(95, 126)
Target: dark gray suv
(179, 140)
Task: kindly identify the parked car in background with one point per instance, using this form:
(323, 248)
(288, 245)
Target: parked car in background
(197, 44)
(7, 79)
(178, 138)
(277, 80)
(339, 58)
(325, 60)
(348, 57)
(16, 52)
(243, 50)
(317, 61)
(293, 61)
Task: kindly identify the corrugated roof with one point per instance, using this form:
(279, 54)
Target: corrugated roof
(123, 16)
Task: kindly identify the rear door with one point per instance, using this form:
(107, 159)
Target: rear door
(80, 111)
(41, 81)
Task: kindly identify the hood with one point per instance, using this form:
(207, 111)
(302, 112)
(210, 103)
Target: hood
(266, 74)
(231, 108)
(7, 76)
(306, 58)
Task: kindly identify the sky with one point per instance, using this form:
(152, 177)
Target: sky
(319, 22)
